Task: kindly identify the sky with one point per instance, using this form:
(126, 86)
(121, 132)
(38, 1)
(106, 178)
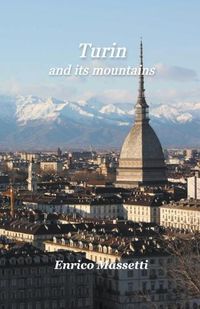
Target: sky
(38, 35)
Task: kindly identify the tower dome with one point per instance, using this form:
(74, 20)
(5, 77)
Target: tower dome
(141, 158)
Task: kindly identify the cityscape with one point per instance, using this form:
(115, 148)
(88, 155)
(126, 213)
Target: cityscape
(100, 207)
(139, 204)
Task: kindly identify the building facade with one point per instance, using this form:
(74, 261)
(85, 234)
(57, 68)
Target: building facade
(99, 208)
(51, 166)
(28, 280)
(33, 169)
(193, 185)
(183, 215)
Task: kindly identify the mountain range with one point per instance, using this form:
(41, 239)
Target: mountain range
(31, 122)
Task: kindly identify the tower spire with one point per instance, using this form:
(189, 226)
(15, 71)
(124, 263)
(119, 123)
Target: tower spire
(141, 80)
(141, 108)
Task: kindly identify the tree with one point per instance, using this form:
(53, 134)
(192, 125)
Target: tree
(185, 266)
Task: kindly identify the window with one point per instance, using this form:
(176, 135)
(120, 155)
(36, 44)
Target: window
(161, 285)
(152, 285)
(13, 282)
(144, 286)
(2, 283)
(130, 286)
(38, 305)
(130, 273)
(161, 297)
(153, 273)
(54, 305)
(144, 272)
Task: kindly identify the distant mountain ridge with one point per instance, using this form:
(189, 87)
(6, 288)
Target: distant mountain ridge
(31, 122)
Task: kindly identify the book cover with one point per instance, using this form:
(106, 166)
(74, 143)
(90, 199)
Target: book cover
(99, 154)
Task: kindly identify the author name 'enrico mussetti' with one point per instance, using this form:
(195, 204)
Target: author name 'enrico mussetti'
(137, 265)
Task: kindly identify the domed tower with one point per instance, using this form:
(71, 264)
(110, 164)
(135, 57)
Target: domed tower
(141, 159)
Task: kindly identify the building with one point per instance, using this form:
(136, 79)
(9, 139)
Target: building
(102, 162)
(183, 215)
(139, 205)
(189, 154)
(87, 206)
(174, 161)
(4, 182)
(102, 241)
(143, 208)
(32, 180)
(193, 185)
(29, 156)
(123, 243)
(33, 233)
(16, 165)
(51, 166)
(141, 158)
(127, 243)
(28, 280)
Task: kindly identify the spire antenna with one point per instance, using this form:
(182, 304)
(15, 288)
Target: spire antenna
(141, 80)
(141, 107)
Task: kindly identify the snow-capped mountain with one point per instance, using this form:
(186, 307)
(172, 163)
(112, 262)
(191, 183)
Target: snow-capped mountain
(112, 109)
(32, 122)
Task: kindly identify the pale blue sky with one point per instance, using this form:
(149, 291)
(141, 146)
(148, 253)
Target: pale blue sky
(37, 35)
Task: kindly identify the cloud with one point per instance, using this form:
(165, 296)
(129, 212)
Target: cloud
(175, 73)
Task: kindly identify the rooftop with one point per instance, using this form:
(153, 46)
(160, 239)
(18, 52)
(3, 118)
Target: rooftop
(190, 204)
(26, 254)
